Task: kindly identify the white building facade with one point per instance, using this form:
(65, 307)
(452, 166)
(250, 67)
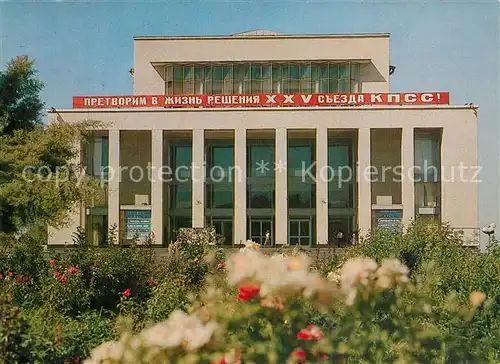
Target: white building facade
(255, 133)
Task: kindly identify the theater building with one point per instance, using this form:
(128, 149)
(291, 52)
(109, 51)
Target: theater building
(297, 136)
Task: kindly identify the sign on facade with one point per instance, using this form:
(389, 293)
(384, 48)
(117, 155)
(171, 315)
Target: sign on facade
(265, 100)
(388, 220)
(137, 224)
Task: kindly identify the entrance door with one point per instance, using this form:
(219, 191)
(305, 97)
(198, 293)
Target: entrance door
(339, 231)
(300, 232)
(97, 229)
(224, 229)
(259, 228)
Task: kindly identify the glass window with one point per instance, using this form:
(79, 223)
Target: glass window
(320, 78)
(96, 155)
(207, 87)
(294, 83)
(178, 73)
(300, 232)
(338, 196)
(427, 194)
(169, 82)
(239, 75)
(222, 162)
(104, 152)
(299, 160)
(261, 197)
(256, 76)
(181, 197)
(247, 79)
(355, 87)
(333, 85)
(301, 195)
(228, 79)
(338, 160)
(224, 229)
(267, 80)
(261, 161)
(199, 77)
(333, 71)
(223, 156)
(343, 85)
(427, 159)
(181, 162)
(344, 70)
(305, 78)
(277, 78)
(97, 229)
(221, 196)
(217, 79)
(188, 75)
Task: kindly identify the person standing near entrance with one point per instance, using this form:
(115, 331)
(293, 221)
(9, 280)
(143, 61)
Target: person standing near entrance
(267, 238)
(354, 239)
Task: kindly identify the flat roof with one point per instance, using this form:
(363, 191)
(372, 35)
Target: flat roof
(281, 36)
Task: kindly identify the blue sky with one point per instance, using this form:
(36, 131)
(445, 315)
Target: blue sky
(87, 48)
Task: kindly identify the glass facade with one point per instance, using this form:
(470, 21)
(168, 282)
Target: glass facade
(96, 156)
(252, 78)
(427, 173)
(96, 159)
(341, 189)
(301, 191)
(341, 176)
(219, 187)
(178, 188)
(260, 189)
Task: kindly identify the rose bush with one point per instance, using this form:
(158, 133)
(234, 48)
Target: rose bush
(413, 297)
(260, 315)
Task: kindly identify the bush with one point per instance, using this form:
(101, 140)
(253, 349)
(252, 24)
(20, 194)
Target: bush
(436, 257)
(380, 316)
(13, 333)
(55, 338)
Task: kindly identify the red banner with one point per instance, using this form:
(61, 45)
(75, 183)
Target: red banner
(266, 100)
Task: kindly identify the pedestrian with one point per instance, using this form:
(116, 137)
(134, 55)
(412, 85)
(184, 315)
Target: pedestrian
(268, 238)
(354, 239)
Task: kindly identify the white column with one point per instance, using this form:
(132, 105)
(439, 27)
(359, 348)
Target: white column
(281, 190)
(240, 186)
(114, 182)
(198, 176)
(407, 184)
(322, 185)
(157, 185)
(364, 182)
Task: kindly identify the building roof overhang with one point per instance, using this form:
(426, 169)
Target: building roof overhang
(261, 34)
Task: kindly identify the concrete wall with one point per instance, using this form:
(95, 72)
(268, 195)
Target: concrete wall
(459, 197)
(372, 49)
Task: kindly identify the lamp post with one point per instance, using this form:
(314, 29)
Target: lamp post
(490, 231)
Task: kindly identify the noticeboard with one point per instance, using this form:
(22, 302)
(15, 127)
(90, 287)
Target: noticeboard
(388, 220)
(137, 224)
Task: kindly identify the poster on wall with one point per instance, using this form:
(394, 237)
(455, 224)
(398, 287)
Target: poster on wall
(137, 224)
(388, 220)
(262, 100)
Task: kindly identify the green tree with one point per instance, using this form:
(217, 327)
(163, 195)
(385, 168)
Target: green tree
(21, 107)
(40, 176)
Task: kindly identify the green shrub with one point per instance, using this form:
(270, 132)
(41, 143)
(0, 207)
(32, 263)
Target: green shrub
(436, 257)
(55, 338)
(13, 333)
